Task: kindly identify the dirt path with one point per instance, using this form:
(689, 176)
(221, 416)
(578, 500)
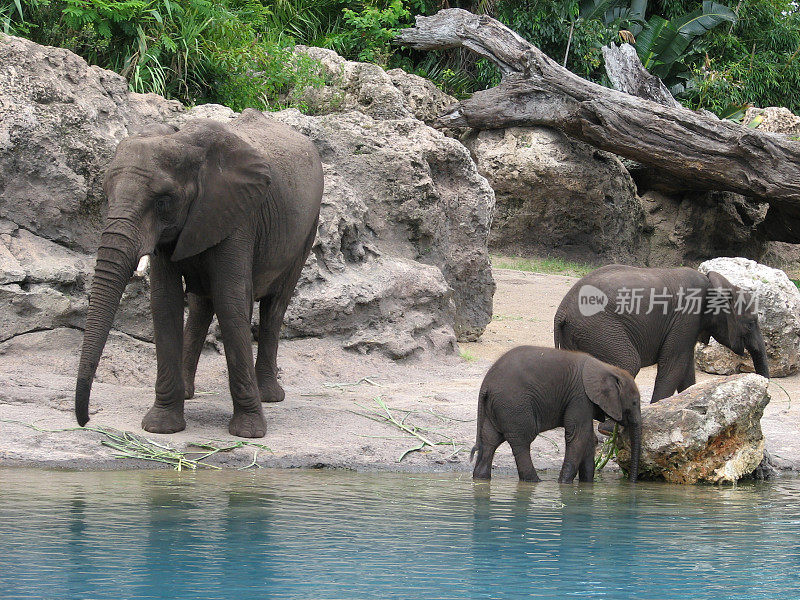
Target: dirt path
(329, 391)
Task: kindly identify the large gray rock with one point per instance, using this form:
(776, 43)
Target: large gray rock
(369, 89)
(397, 188)
(711, 432)
(390, 304)
(401, 251)
(778, 317)
(559, 196)
(60, 121)
(685, 229)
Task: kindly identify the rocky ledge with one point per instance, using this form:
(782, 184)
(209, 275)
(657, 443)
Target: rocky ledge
(400, 265)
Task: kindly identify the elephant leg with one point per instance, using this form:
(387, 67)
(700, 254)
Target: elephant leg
(271, 309)
(688, 374)
(672, 372)
(201, 311)
(233, 302)
(490, 439)
(586, 468)
(525, 468)
(166, 303)
(578, 432)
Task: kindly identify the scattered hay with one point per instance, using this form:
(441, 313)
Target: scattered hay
(130, 445)
(383, 414)
(608, 450)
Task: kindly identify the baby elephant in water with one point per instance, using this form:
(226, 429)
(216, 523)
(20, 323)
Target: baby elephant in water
(531, 389)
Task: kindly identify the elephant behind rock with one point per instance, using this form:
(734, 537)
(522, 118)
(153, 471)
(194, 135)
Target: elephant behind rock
(634, 317)
(228, 210)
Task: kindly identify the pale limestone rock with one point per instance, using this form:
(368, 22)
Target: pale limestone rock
(710, 433)
(559, 196)
(778, 317)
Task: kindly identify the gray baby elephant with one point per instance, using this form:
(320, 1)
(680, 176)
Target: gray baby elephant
(532, 389)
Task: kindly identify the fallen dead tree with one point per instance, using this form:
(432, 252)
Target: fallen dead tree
(697, 146)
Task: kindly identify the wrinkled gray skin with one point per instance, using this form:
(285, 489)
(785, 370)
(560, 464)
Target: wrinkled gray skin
(633, 341)
(531, 389)
(231, 210)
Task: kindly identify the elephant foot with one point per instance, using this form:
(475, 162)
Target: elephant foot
(530, 478)
(164, 420)
(248, 424)
(271, 391)
(188, 390)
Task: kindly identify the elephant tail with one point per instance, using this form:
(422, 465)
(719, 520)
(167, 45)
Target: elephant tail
(482, 396)
(558, 329)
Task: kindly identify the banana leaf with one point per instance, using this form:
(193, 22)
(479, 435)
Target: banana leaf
(663, 43)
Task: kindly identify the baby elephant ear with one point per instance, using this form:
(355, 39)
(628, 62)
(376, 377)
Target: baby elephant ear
(602, 387)
(232, 182)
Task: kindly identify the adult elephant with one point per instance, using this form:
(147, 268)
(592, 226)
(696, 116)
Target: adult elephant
(229, 209)
(635, 317)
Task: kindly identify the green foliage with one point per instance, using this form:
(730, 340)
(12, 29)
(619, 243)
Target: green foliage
(192, 50)
(547, 25)
(756, 62)
(266, 76)
(665, 45)
(235, 51)
(309, 22)
(368, 32)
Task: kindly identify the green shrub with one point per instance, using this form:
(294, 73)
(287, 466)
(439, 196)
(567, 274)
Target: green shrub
(191, 50)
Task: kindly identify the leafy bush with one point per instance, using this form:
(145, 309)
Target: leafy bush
(755, 62)
(235, 51)
(192, 50)
(368, 32)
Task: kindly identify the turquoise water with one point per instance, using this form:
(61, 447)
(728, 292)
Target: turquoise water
(326, 535)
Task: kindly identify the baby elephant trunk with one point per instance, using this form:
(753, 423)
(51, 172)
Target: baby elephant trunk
(635, 433)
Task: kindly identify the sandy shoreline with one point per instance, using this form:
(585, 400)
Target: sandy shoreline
(322, 423)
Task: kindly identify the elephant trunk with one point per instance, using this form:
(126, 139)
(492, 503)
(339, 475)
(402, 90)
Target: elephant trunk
(758, 352)
(635, 433)
(116, 261)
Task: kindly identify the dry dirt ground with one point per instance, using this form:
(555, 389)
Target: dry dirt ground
(330, 394)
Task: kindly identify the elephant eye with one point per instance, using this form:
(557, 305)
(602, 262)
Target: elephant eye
(162, 205)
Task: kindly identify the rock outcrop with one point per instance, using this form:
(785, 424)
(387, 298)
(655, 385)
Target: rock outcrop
(685, 229)
(555, 195)
(778, 301)
(60, 121)
(775, 119)
(711, 432)
(369, 89)
(397, 188)
(400, 264)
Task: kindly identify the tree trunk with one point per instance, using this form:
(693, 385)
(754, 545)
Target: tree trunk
(696, 146)
(627, 74)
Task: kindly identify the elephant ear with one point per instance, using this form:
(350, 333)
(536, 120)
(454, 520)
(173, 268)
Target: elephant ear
(233, 180)
(602, 387)
(725, 317)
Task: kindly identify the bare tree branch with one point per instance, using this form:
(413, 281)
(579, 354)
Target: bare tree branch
(694, 145)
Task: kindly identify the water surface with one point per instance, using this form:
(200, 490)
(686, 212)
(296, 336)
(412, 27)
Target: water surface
(340, 535)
